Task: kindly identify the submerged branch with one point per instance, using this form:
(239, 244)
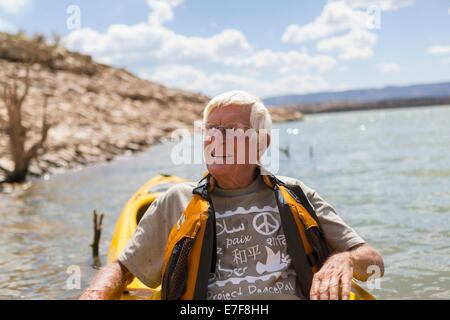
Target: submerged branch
(98, 226)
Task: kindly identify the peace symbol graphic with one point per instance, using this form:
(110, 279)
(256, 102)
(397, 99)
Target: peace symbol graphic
(265, 223)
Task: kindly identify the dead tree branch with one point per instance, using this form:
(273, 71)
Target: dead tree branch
(98, 226)
(17, 132)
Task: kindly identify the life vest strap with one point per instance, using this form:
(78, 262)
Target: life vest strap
(208, 256)
(295, 248)
(312, 258)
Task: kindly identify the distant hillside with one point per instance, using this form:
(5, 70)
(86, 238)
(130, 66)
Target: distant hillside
(336, 106)
(435, 90)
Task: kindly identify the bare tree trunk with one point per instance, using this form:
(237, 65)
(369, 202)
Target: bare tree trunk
(17, 132)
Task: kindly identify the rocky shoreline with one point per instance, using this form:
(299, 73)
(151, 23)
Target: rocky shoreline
(96, 112)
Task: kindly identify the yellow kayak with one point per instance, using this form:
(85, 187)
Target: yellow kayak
(128, 221)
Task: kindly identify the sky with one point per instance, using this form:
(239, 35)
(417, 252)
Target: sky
(266, 47)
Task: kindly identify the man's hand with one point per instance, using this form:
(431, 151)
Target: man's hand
(337, 271)
(109, 284)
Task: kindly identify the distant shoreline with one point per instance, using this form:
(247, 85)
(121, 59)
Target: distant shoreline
(313, 108)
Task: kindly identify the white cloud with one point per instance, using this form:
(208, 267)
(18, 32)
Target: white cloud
(150, 44)
(335, 16)
(358, 43)
(150, 47)
(176, 60)
(338, 16)
(162, 10)
(5, 26)
(357, 16)
(384, 5)
(388, 67)
(192, 79)
(284, 62)
(14, 6)
(439, 50)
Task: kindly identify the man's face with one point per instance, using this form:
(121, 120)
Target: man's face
(230, 152)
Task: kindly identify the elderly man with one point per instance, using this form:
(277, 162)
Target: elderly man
(241, 232)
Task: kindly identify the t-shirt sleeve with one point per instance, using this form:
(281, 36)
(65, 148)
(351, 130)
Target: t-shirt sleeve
(143, 255)
(339, 235)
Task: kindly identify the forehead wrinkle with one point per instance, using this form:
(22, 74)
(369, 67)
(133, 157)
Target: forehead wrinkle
(234, 116)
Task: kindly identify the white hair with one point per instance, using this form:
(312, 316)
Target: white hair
(260, 118)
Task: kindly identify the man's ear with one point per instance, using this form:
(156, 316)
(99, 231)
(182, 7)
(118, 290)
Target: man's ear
(263, 143)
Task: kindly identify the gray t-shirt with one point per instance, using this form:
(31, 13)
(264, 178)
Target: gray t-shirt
(252, 259)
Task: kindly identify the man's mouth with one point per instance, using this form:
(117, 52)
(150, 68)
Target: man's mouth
(217, 154)
(221, 156)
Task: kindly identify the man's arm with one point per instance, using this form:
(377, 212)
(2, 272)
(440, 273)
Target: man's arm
(109, 284)
(364, 256)
(339, 270)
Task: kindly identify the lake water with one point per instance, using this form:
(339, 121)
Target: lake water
(386, 172)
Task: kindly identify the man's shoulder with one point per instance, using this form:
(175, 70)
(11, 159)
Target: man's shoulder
(173, 201)
(293, 181)
(290, 180)
(182, 189)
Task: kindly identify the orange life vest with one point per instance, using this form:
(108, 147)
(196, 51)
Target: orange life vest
(190, 253)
